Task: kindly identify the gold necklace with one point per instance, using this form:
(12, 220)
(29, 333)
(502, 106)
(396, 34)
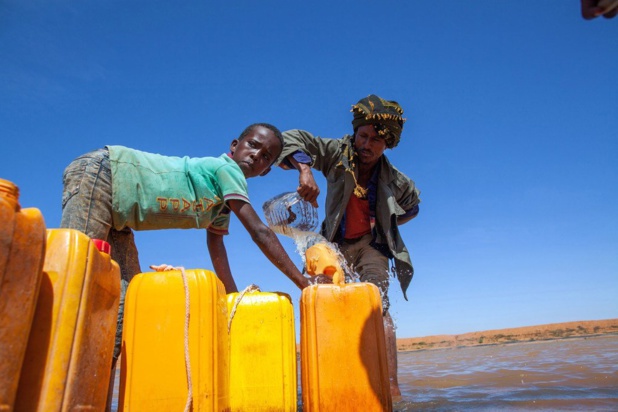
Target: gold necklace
(359, 191)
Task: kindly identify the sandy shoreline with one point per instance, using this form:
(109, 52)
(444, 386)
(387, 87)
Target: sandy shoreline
(511, 335)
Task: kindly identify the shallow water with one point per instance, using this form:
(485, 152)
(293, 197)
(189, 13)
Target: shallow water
(562, 375)
(569, 375)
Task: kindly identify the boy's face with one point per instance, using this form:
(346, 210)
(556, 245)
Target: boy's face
(256, 152)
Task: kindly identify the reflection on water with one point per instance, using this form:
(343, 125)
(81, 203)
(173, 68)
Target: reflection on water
(562, 375)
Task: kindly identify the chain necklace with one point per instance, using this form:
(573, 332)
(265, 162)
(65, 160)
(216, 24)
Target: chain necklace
(359, 191)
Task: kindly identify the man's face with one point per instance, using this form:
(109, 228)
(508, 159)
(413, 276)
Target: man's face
(256, 152)
(369, 145)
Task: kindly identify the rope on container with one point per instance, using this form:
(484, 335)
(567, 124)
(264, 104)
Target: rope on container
(251, 288)
(164, 268)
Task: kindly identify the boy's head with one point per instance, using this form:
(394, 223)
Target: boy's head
(257, 148)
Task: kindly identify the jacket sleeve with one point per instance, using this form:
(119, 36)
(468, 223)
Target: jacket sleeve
(324, 152)
(408, 197)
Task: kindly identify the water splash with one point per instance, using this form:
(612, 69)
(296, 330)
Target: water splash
(289, 215)
(304, 240)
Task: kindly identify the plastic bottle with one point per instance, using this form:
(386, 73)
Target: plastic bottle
(288, 214)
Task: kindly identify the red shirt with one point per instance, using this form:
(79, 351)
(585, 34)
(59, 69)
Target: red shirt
(357, 221)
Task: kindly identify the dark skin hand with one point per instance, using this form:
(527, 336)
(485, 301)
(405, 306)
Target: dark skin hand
(595, 8)
(307, 187)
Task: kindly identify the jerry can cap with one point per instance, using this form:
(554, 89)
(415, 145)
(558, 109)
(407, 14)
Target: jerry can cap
(10, 192)
(102, 246)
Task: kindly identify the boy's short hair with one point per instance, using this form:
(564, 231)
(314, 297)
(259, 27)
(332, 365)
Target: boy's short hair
(269, 126)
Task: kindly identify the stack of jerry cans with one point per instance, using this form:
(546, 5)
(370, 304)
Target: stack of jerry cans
(343, 351)
(153, 372)
(69, 355)
(22, 250)
(262, 352)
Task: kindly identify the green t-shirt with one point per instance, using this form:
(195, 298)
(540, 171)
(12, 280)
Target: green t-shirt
(151, 191)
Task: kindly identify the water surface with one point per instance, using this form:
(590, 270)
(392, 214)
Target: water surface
(561, 375)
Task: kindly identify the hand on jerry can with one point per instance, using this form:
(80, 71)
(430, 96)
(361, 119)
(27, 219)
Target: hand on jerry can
(322, 260)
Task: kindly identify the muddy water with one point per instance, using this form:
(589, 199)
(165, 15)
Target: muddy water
(561, 375)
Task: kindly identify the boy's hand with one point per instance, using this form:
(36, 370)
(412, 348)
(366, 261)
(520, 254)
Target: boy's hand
(323, 279)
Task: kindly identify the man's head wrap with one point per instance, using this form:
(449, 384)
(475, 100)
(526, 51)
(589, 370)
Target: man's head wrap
(384, 115)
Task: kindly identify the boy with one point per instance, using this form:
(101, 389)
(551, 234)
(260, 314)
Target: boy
(110, 192)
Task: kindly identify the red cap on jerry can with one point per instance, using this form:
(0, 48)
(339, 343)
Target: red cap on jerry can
(102, 246)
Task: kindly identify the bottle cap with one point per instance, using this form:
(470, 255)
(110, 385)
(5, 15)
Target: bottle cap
(102, 246)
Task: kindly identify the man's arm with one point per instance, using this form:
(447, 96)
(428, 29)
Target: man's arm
(218, 255)
(304, 152)
(307, 187)
(267, 241)
(409, 215)
(407, 197)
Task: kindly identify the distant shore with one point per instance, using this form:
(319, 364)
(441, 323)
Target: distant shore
(549, 331)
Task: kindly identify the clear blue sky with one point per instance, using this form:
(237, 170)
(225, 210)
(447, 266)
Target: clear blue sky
(512, 132)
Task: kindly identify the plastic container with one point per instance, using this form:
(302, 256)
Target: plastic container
(343, 350)
(321, 259)
(288, 214)
(22, 250)
(262, 352)
(153, 373)
(68, 361)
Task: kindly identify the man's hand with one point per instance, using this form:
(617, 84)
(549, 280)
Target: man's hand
(307, 187)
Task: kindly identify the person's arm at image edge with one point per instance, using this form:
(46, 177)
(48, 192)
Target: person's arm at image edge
(267, 241)
(591, 9)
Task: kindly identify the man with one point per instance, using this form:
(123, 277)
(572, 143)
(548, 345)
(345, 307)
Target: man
(366, 200)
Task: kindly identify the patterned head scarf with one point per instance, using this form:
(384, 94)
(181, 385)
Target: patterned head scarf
(384, 115)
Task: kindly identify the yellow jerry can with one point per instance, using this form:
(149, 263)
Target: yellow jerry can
(69, 355)
(262, 352)
(343, 351)
(154, 374)
(22, 250)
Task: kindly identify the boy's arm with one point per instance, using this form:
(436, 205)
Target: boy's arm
(267, 241)
(218, 256)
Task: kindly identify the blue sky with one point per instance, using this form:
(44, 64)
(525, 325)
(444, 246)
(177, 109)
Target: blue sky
(512, 131)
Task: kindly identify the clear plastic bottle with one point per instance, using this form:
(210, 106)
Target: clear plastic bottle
(288, 214)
